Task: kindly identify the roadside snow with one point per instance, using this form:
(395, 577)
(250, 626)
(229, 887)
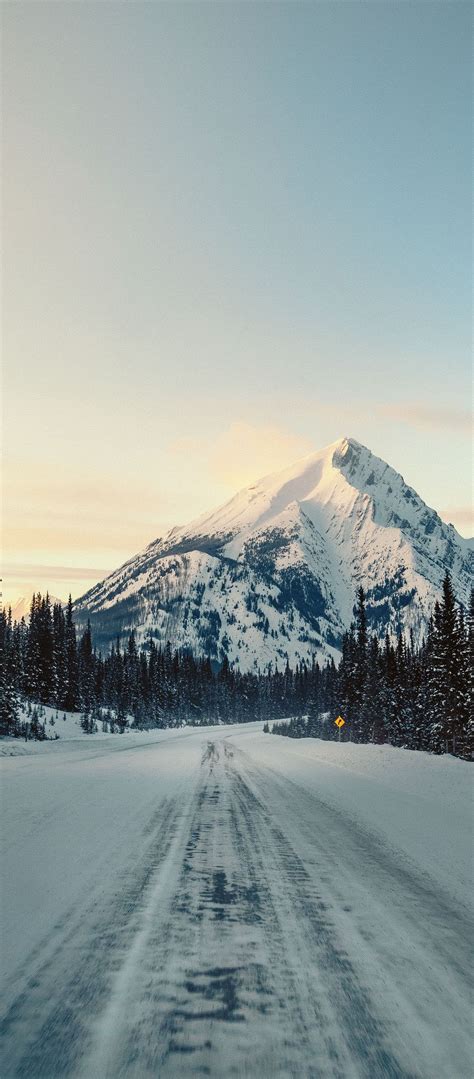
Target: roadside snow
(420, 804)
(66, 729)
(67, 725)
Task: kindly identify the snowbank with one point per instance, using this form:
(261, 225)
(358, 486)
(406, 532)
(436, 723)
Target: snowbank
(419, 804)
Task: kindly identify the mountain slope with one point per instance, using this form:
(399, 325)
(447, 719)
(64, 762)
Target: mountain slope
(273, 572)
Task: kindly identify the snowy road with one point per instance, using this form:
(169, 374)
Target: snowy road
(210, 904)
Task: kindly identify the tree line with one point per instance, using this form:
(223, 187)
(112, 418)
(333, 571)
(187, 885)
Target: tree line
(44, 660)
(396, 692)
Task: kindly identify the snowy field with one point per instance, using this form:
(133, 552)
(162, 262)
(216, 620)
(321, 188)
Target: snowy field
(224, 902)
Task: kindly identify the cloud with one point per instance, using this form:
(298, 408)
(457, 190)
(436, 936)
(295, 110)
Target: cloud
(51, 515)
(58, 573)
(40, 489)
(79, 541)
(243, 453)
(20, 581)
(417, 415)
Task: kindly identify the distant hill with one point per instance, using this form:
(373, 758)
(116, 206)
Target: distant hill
(21, 608)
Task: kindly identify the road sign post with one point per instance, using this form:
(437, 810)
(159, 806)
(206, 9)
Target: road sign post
(339, 724)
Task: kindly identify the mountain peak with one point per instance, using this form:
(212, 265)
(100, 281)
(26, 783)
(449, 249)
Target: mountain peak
(346, 447)
(272, 573)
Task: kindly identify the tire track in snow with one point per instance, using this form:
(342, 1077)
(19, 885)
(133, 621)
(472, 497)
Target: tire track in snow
(101, 1061)
(342, 1032)
(247, 975)
(409, 942)
(46, 1028)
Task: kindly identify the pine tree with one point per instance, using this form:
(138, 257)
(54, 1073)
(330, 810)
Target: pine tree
(464, 736)
(347, 701)
(469, 645)
(87, 678)
(359, 722)
(373, 718)
(446, 647)
(59, 655)
(72, 701)
(9, 705)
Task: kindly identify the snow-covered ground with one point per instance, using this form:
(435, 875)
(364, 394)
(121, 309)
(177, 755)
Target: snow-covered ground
(59, 726)
(224, 902)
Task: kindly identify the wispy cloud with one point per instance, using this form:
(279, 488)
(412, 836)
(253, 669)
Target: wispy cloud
(59, 579)
(419, 415)
(346, 417)
(58, 573)
(243, 452)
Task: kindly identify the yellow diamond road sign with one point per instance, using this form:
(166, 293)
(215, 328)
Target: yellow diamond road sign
(339, 721)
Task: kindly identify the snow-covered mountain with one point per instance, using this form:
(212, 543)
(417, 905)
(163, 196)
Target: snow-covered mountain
(273, 572)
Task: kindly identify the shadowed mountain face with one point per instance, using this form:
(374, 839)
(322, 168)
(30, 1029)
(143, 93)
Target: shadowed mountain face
(272, 573)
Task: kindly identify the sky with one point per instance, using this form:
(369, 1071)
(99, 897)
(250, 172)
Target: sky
(232, 233)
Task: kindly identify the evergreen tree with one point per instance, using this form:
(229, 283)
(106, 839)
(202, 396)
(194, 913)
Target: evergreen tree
(9, 713)
(71, 701)
(359, 723)
(87, 678)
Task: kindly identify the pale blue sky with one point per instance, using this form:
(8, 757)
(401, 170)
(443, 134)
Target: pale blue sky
(227, 224)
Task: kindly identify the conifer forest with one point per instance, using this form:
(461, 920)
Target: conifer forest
(395, 692)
